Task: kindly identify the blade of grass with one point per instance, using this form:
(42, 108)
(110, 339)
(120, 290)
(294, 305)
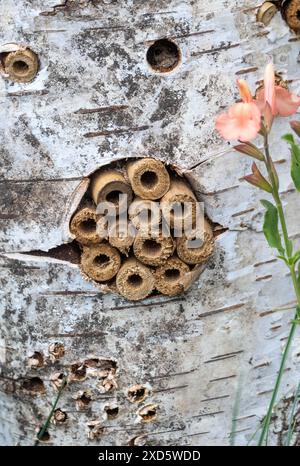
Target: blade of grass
(46, 424)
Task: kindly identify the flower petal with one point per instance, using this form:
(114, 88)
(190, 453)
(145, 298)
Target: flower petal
(227, 127)
(286, 103)
(269, 83)
(249, 131)
(244, 91)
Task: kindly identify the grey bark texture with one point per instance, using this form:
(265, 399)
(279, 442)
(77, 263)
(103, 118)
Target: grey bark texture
(206, 357)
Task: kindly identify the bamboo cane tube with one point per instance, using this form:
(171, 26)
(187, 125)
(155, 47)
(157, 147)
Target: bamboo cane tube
(153, 249)
(180, 197)
(121, 236)
(149, 178)
(204, 246)
(266, 12)
(100, 262)
(134, 280)
(108, 185)
(84, 226)
(144, 214)
(21, 65)
(290, 12)
(169, 276)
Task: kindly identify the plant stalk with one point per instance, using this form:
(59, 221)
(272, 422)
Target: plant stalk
(276, 196)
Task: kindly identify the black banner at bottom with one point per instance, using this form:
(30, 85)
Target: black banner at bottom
(138, 455)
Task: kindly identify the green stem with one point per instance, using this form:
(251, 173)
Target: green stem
(276, 196)
(46, 424)
(267, 419)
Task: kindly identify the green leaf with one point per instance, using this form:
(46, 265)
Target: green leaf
(270, 227)
(288, 137)
(295, 258)
(295, 167)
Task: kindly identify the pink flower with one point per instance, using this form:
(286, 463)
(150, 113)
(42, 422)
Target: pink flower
(243, 120)
(281, 101)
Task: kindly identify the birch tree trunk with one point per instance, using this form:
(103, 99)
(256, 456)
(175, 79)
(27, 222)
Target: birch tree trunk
(204, 358)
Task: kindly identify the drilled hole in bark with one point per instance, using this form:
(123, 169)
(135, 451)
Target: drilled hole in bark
(137, 393)
(36, 360)
(151, 247)
(58, 379)
(43, 437)
(112, 412)
(149, 179)
(172, 275)
(59, 416)
(34, 385)
(163, 55)
(135, 280)
(78, 372)
(56, 351)
(20, 67)
(88, 226)
(101, 260)
(85, 399)
(114, 197)
(148, 413)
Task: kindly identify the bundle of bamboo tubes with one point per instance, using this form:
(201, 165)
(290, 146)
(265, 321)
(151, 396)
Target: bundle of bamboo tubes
(127, 230)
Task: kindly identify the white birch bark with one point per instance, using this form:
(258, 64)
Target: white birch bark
(95, 99)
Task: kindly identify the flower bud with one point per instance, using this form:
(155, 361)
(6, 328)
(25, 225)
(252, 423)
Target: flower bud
(251, 150)
(295, 125)
(258, 180)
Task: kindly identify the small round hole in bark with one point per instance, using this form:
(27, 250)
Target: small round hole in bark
(114, 197)
(78, 372)
(151, 247)
(137, 393)
(58, 380)
(36, 360)
(148, 413)
(43, 437)
(101, 260)
(34, 385)
(83, 400)
(88, 226)
(135, 280)
(56, 351)
(111, 411)
(163, 56)
(149, 179)
(59, 416)
(172, 275)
